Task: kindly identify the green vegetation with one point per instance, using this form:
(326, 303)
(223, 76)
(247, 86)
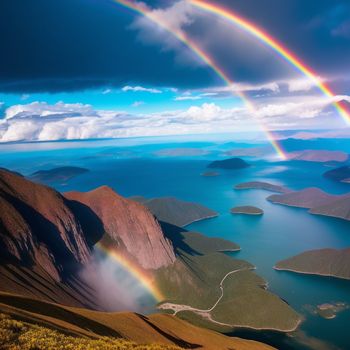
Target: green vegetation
(323, 262)
(260, 185)
(175, 211)
(17, 335)
(205, 245)
(247, 210)
(194, 281)
(56, 325)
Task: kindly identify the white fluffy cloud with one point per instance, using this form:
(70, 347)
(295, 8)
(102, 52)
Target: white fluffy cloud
(141, 89)
(39, 121)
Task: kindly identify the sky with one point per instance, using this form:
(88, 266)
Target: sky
(78, 69)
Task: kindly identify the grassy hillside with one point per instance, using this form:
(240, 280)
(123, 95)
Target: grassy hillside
(16, 335)
(193, 287)
(74, 327)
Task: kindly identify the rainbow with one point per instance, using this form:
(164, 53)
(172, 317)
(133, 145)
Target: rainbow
(271, 42)
(141, 276)
(143, 10)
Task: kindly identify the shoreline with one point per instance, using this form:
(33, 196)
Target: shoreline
(245, 213)
(206, 314)
(205, 218)
(310, 273)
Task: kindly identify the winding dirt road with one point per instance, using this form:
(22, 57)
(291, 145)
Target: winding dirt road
(204, 313)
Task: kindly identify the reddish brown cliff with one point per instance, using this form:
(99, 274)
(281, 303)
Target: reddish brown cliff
(130, 225)
(37, 227)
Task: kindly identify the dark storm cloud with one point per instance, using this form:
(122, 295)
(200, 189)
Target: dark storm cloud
(318, 31)
(50, 45)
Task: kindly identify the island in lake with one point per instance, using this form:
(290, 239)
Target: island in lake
(61, 174)
(247, 210)
(330, 310)
(323, 262)
(317, 201)
(320, 156)
(176, 211)
(231, 164)
(181, 152)
(210, 174)
(338, 174)
(260, 185)
(250, 152)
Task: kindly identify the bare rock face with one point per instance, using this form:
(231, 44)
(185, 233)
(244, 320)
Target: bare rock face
(129, 224)
(37, 227)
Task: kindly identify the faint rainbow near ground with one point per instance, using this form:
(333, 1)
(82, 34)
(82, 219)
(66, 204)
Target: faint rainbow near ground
(141, 276)
(143, 10)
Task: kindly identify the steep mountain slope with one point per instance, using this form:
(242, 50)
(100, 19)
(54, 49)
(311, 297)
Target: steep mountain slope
(154, 329)
(129, 224)
(38, 228)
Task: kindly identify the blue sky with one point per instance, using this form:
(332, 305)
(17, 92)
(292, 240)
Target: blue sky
(58, 56)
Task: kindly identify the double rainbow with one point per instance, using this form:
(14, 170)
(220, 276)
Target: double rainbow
(271, 42)
(257, 32)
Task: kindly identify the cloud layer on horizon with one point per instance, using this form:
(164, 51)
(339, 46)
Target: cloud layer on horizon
(39, 121)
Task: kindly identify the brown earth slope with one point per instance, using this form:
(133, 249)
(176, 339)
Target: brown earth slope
(154, 329)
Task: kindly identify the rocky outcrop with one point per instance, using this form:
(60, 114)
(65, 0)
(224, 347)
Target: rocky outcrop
(129, 225)
(37, 227)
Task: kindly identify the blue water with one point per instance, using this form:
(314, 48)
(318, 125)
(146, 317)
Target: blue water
(134, 168)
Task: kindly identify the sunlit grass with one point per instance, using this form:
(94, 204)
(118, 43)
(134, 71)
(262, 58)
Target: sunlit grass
(17, 335)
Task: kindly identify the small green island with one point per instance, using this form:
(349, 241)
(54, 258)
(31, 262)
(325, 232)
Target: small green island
(210, 174)
(328, 310)
(260, 185)
(247, 210)
(229, 164)
(60, 174)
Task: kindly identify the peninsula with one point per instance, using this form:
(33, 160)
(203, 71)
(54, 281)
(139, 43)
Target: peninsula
(61, 174)
(260, 185)
(323, 262)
